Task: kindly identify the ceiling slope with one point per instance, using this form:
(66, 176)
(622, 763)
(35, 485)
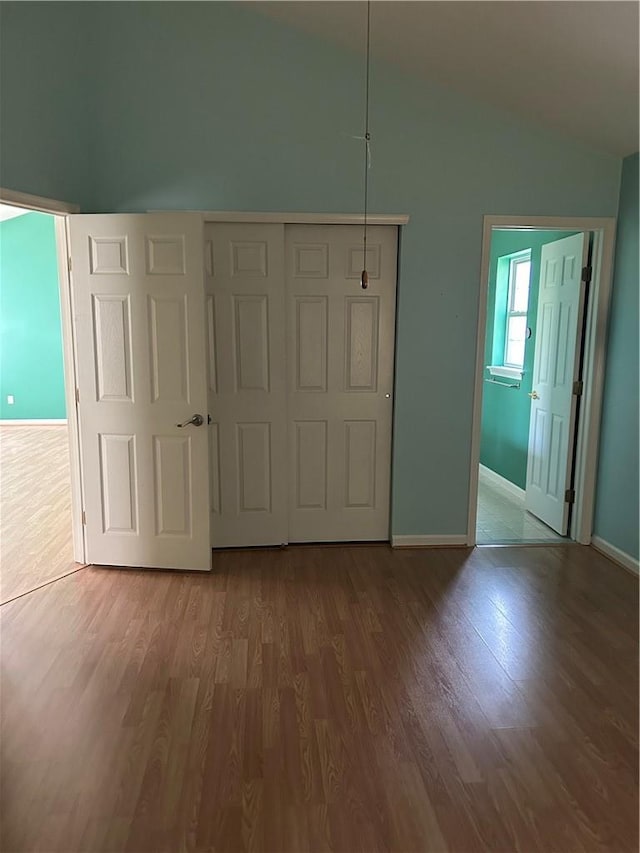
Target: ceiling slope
(569, 66)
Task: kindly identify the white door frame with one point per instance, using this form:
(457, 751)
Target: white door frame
(60, 210)
(593, 364)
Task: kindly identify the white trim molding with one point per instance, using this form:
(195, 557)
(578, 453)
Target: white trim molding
(36, 202)
(299, 218)
(35, 422)
(618, 556)
(448, 541)
(67, 316)
(603, 230)
(501, 481)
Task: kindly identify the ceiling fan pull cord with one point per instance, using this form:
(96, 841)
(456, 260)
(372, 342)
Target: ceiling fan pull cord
(364, 278)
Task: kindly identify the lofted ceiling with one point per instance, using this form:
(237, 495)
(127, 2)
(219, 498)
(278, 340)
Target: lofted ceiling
(570, 66)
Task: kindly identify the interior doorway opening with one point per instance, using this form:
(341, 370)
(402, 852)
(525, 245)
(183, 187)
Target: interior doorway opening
(543, 309)
(36, 525)
(513, 344)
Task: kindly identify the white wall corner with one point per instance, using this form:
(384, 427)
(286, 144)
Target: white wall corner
(618, 556)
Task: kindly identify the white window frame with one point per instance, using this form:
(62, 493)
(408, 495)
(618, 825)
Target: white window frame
(514, 261)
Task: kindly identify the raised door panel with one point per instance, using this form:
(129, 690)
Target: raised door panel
(361, 347)
(557, 444)
(165, 254)
(169, 334)
(249, 259)
(310, 457)
(360, 464)
(311, 260)
(543, 362)
(118, 479)
(112, 347)
(108, 255)
(212, 352)
(251, 328)
(214, 457)
(253, 442)
(538, 444)
(311, 339)
(172, 470)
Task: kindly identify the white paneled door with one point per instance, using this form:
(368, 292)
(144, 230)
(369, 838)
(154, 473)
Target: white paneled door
(301, 378)
(138, 293)
(247, 391)
(340, 345)
(561, 300)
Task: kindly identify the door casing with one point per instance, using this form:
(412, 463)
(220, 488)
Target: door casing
(593, 363)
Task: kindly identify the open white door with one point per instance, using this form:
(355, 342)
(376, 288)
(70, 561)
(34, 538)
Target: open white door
(138, 294)
(556, 368)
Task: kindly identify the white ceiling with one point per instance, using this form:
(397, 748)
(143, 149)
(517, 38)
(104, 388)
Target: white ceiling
(8, 212)
(570, 66)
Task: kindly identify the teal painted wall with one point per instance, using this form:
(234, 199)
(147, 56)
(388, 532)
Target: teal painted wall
(505, 411)
(617, 509)
(211, 105)
(31, 367)
(45, 99)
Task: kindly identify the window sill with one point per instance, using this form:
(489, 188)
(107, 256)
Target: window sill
(505, 372)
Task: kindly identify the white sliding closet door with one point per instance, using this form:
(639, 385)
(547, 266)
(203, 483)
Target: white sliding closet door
(340, 345)
(247, 394)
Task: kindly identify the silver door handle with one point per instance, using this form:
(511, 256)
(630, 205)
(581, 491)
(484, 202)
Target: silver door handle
(196, 420)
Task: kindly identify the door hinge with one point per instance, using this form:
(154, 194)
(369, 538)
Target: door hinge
(209, 419)
(586, 274)
(578, 387)
(84, 517)
(570, 496)
(77, 396)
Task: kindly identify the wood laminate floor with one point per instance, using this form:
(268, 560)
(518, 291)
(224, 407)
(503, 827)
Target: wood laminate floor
(35, 507)
(336, 699)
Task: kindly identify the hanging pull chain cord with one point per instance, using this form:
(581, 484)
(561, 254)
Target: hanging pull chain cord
(364, 280)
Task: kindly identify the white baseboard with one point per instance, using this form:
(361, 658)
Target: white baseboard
(492, 477)
(429, 541)
(40, 422)
(621, 557)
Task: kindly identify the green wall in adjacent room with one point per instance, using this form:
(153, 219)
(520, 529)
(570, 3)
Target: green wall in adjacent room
(505, 411)
(617, 506)
(214, 106)
(31, 367)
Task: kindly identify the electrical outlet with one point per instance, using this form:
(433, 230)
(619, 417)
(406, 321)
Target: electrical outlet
(10, 399)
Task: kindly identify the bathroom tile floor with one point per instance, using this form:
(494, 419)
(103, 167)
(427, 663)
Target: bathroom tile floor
(502, 518)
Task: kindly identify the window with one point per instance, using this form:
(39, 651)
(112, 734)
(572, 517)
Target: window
(517, 303)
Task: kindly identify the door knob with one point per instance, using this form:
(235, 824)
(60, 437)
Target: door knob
(534, 395)
(196, 420)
